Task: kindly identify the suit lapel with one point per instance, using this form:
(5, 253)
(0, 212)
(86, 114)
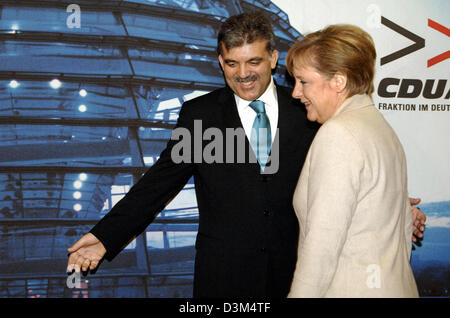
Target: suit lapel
(287, 114)
(229, 110)
(231, 119)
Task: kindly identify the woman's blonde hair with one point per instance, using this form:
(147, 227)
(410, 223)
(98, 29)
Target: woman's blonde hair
(340, 48)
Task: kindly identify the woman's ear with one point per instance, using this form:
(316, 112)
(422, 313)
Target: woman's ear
(340, 82)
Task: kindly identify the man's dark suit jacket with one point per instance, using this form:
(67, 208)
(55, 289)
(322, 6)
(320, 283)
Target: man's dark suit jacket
(248, 232)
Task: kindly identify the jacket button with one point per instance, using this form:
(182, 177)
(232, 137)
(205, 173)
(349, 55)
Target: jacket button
(263, 250)
(267, 213)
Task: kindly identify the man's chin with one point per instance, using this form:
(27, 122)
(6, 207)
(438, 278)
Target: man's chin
(249, 96)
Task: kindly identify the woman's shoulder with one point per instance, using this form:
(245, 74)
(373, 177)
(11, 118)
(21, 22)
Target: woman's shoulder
(356, 121)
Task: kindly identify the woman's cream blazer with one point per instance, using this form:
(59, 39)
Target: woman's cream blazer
(352, 204)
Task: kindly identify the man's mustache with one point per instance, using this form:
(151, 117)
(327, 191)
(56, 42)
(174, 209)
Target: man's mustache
(250, 78)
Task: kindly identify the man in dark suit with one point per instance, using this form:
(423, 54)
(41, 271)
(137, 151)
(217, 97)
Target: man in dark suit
(247, 236)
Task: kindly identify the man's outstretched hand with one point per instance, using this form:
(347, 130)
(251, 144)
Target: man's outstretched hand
(85, 254)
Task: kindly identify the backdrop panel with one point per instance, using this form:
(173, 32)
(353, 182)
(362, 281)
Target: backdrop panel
(412, 90)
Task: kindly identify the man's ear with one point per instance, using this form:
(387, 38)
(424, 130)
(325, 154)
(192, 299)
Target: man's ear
(274, 59)
(340, 82)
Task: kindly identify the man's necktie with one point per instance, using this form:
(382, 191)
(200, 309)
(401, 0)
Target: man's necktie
(261, 136)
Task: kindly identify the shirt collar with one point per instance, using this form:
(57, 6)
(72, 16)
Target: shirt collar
(269, 97)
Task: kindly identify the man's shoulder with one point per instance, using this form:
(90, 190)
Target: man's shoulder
(203, 106)
(284, 96)
(283, 90)
(213, 96)
(204, 103)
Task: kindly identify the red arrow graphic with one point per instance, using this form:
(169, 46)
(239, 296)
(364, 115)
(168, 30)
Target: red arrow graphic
(444, 30)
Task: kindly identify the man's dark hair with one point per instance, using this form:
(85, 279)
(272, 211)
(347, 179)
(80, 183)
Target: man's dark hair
(245, 28)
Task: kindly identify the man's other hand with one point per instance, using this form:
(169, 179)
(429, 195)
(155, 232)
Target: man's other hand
(419, 219)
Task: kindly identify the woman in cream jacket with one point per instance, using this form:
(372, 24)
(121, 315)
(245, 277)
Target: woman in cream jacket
(351, 199)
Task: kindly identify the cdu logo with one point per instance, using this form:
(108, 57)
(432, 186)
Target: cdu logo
(419, 42)
(392, 87)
